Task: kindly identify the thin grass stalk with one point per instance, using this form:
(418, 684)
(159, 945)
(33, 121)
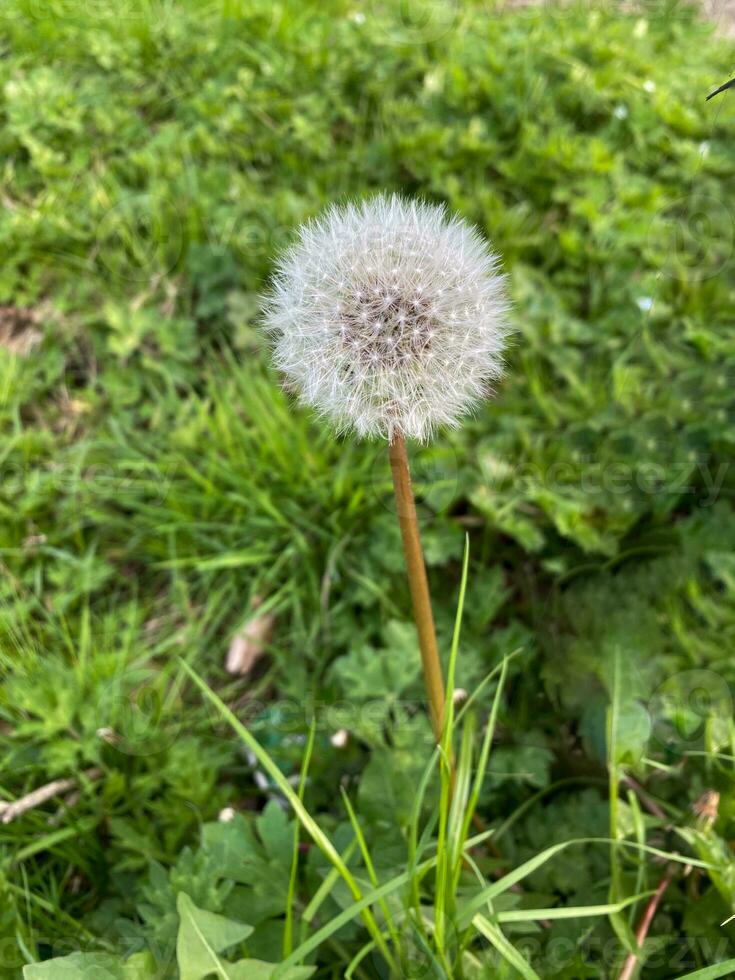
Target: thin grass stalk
(325, 889)
(484, 751)
(456, 834)
(288, 924)
(447, 777)
(618, 923)
(370, 867)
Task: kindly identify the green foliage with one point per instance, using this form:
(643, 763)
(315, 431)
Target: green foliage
(158, 491)
(85, 966)
(202, 936)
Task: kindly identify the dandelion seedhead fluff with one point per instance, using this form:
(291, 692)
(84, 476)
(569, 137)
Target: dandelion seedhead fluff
(389, 316)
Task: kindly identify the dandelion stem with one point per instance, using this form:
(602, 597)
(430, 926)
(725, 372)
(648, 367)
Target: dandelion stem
(418, 583)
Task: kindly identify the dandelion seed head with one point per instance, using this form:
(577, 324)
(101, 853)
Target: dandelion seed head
(407, 330)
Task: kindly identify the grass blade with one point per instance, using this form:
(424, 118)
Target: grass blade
(528, 867)
(364, 850)
(288, 924)
(575, 912)
(326, 886)
(503, 945)
(724, 969)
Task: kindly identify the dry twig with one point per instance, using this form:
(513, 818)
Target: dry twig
(11, 811)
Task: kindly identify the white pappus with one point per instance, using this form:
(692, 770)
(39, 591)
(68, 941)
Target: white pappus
(389, 316)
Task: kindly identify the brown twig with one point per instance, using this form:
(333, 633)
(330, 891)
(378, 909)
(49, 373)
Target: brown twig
(10, 811)
(646, 799)
(418, 582)
(644, 925)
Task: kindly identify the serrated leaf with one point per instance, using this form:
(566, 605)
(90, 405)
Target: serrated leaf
(202, 935)
(92, 966)
(366, 672)
(276, 832)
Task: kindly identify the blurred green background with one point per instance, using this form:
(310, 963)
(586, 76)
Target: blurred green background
(159, 494)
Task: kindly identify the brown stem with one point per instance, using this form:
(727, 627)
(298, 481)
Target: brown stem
(648, 801)
(643, 926)
(418, 582)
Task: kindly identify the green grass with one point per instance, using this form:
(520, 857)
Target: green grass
(156, 484)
